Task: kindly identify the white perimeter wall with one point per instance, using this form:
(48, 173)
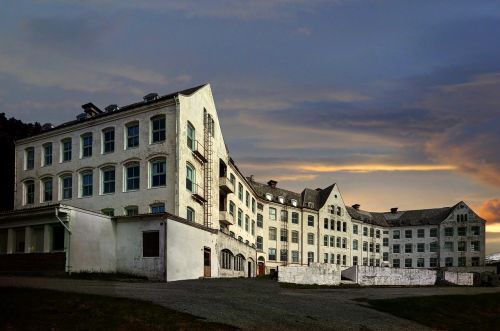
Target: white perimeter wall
(92, 242)
(459, 278)
(315, 273)
(376, 276)
(185, 245)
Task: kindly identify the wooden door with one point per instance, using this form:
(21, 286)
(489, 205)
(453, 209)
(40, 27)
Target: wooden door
(262, 268)
(207, 263)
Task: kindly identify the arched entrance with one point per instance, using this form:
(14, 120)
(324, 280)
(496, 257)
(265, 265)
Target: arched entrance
(261, 266)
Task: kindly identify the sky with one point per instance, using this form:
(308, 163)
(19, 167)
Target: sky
(395, 101)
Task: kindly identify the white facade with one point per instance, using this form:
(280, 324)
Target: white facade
(168, 154)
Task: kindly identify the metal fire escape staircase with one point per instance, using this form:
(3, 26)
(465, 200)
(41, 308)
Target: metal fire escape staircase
(208, 170)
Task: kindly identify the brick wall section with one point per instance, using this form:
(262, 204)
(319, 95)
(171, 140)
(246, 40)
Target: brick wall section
(315, 273)
(33, 262)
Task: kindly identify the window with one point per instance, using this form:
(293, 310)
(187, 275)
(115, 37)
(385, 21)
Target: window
(295, 256)
(259, 205)
(339, 211)
(226, 259)
(385, 256)
(36, 239)
(58, 232)
(157, 208)
(295, 218)
(131, 210)
(339, 226)
(310, 220)
(66, 150)
(371, 247)
(108, 136)
(19, 240)
(433, 233)
(190, 214)
(377, 248)
(448, 262)
(338, 258)
(325, 240)
(240, 191)
(462, 231)
(272, 214)
(355, 245)
(395, 263)
(30, 158)
(247, 199)
(310, 257)
(108, 211)
(408, 234)
(29, 192)
(253, 205)
(253, 227)
(158, 129)
(108, 180)
(462, 246)
(365, 231)
(448, 246)
(371, 232)
(47, 154)
(284, 215)
(87, 184)
(354, 260)
(462, 261)
(260, 220)
(385, 242)
(365, 246)
(86, 142)
(272, 233)
(344, 242)
(408, 263)
(475, 261)
(310, 238)
(295, 237)
(151, 244)
(239, 262)
(433, 247)
(396, 249)
(132, 176)
(365, 261)
(67, 187)
(420, 233)
(408, 248)
(475, 246)
(132, 135)
(332, 259)
(283, 255)
(377, 234)
(159, 173)
(448, 232)
(240, 217)
(325, 259)
(272, 254)
(232, 208)
(260, 243)
(433, 262)
(325, 223)
(475, 230)
(355, 228)
(421, 247)
(247, 223)
(191, 136)
(395, 234)
(47, 189)
(332, 241)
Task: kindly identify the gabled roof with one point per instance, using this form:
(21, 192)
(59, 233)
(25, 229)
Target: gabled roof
(122, 109)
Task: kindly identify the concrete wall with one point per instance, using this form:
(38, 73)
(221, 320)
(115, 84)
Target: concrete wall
(376, 276)
(185, 245)
(459, 278)
(129, 253)
(315, 273)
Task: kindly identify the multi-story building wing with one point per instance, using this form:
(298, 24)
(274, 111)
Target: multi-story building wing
(163, 190)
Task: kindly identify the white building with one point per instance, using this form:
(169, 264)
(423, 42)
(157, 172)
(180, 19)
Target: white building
(157, 176)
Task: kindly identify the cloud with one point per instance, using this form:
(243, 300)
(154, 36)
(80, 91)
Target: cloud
(490, 210)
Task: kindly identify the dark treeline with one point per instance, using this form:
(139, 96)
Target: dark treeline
(11, 130)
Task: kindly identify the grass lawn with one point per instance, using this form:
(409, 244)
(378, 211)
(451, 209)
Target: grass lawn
(33, 309)
(446, 312)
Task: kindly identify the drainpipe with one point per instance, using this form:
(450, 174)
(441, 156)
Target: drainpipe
(69, 239)
(165, 221)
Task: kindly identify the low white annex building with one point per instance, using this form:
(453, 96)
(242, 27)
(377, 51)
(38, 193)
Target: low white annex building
(150, 189)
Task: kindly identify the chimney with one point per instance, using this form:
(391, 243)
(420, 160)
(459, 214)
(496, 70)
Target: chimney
(150, 97)
(394, 210)
(111, 108)
(272, 183)
(91, 110)
(251, 178)
(356, 206)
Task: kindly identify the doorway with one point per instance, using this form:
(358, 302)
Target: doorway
(249, 269)
(207, 262)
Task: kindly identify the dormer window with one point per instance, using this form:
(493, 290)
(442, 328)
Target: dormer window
(281, 199)
(294, 202)
(269, 196)
(310, 205)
